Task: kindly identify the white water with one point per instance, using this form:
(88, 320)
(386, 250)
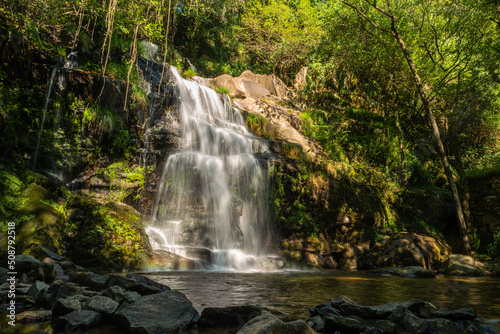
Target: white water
(213, 193)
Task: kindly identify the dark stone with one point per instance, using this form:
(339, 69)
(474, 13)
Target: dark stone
(3, 274)
(144, 289)
(409, 323)
(36, 275)
(235, 316)
(117, 293)
(267, 323)
(467, 313)
(144, 280)
(356, 324)
(349, 308)
(322, 310)
(32, 316)
(168, 311)
(118, 280)
(475, 328)
(27, 264)
(64, 306)
(38, 290)
(94, 281)
(131, 296)
(316, 323)
(59, 290)
(104, 305)
(78, 320)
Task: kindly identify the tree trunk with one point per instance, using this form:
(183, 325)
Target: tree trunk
(439, 144)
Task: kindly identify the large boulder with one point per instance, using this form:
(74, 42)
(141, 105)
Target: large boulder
(169, 311)
(409, 323)
(29, 265)
(462, 265)
(269, 324)
(81, 319)
(234, 316)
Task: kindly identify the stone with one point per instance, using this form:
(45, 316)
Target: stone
(408, 322)
(462, 265)
(27, 264)
(3, 274)
(356, 324)
(117, 293)
(144, 280)
(38, 290)
(322, 310)
(94, 281)
(168, 311)
(412, 271)
(59, 290)
(67, 305)
(269, 324)
(418, 307)
(60, 273)
(234, 316)
(32, 316)
(475, 328)
(81, 319)
(347, 307)
(467, 313)
(270, 263)
(144, 289)
(118, 280)
(317, 323)
(36, 275)
(104, 305)
(131, 296)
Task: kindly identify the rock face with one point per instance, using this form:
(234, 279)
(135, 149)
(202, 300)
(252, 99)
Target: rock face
(268, 324)
(462, 265)
(168, 311)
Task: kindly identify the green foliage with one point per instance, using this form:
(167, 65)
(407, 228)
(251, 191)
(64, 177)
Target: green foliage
(189, 73)
(10, 199)
(222, 90)
(494, 248)
(260, 126)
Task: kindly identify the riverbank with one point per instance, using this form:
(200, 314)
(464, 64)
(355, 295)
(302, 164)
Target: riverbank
(73, 296)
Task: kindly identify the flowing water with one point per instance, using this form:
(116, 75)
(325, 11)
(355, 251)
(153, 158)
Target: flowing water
(212, 197)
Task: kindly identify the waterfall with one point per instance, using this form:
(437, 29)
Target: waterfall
(213, 193)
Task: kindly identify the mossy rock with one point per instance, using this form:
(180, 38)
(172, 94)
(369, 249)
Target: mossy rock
(109, 237)
(39, 218)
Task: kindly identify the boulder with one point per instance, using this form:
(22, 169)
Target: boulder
(317, 323)
(475, 328)
(144, 280)
(322, 310)
(59, 290)
(144, 289)
(408, 322)
(38, 290)
(462, 265)
(119, 280)
(94, 281)
(117, 293)
(3, 274)
(64, 306)
(34, 316)
(131, 296)
(270, 263)
(104, 305)
(234, 316)
(28, 264)
(356, 324)
(347, 307)
(467, 313)
(168, 311)
(81, 319)
(418, 307)
(269, 324)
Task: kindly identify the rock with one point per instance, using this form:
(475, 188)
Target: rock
(117, 293)
(475, 328)
(235, 316)
(300, 79)
(68, 265)
(144, 280)
(467, 313)
(462, 265)
(60, 273)
(144, 289)
(59, 290)
(356, 324)
(347, 307)
(67, 305)
(131, 296)
(38, 290)
(269, 324)
(322, 310)
(27, 264)
(36, 275)
(168, 311)
(316, 323)
(419, 308)
(32, 316)
(407, 322)
(119, 280)
(81, 319)
(104, 305)
(412, 271)
(270, 263)
(3, 274)
(94, 281)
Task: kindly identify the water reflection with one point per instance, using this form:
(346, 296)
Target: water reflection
(293, 292)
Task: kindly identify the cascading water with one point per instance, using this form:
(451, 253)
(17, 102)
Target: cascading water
(213, 193)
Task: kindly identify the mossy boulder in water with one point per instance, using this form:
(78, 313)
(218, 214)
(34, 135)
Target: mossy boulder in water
(109, 236)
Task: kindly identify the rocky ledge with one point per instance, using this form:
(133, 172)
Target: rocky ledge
(59, 292)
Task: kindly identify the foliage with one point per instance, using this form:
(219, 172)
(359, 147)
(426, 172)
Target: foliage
(189, 73)
(222, 90)
(494, 248)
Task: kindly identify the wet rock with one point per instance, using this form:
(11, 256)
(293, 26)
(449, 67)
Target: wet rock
(270, 263)
(38, 290)
(119, 280)
(94, 281)
(475, 328)
(418, 307)
(462, 265)
(144, 280)
(316, 323)
(32, 316)
(357, 325)
(117, 293)
(36, 275)
(235, 316)
(131, 296)
(104, 305)
(143, 289)
(467, 313)
(64, 306)
(81, 319)
(168, 311)
(408, 322)
(322, 310)
(60, 274)
(267, 323)
(347, 307)
(27, 264)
